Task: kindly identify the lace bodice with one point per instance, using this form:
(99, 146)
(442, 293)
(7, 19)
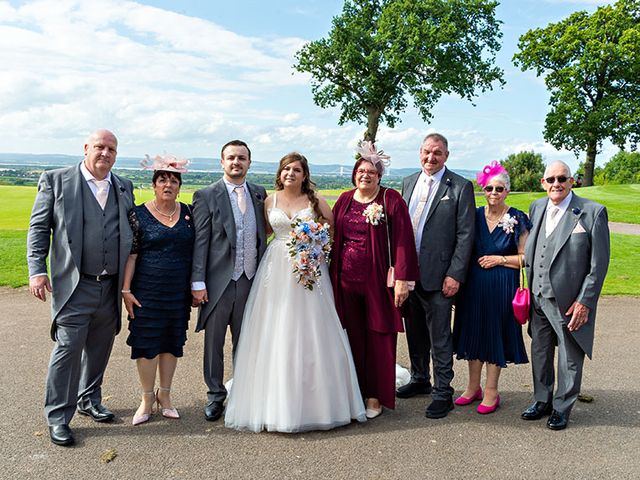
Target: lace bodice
(281, 223)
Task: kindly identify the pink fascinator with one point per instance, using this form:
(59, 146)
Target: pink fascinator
(488, 172)
(367, 150)
(168, 163)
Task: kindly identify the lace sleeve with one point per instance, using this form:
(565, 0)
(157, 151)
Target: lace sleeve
(524, 224)
(135, 228)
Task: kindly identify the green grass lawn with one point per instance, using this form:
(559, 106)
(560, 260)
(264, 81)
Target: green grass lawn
(622, 201)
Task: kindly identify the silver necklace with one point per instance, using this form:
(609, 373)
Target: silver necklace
(170, 215)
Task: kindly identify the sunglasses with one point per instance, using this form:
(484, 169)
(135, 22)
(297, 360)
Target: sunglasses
(491, 188)
(552, 180)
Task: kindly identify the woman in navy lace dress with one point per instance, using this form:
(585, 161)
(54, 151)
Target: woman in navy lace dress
(156, 290)
(485, 329)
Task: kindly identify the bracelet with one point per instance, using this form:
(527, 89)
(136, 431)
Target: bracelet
(504, 259)
(125, 291)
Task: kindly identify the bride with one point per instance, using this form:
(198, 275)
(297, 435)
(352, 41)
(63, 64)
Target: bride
(293, 369)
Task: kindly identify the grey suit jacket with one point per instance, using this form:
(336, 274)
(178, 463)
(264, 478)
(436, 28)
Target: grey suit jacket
(55, 229)
(447, 238)
(580, 260)
(214, 251)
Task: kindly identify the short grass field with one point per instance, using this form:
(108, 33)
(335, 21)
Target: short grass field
(622, 202)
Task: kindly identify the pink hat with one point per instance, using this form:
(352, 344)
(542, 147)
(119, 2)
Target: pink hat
(168, 163)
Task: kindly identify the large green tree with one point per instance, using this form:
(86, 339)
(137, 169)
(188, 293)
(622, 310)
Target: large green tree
(380, 53)
(525, 171)
(591, 65)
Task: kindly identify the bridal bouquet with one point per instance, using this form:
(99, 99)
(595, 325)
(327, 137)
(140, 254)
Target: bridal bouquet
(309, 244)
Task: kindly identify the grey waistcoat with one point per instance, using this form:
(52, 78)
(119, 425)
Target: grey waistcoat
(100, 233)
(545, 246)
(246, 239)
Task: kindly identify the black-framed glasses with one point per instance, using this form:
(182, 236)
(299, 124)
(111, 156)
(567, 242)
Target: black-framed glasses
(560, 178)
(491, 188)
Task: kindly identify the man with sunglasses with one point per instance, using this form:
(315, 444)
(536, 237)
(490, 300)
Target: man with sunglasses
(567, 256)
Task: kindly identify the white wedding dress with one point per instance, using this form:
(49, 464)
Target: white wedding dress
(293, 369)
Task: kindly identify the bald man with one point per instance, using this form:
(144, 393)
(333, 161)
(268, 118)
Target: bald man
(567, 257)
(79, 219)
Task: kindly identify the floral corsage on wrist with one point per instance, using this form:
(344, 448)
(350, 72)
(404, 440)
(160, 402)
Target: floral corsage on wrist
(508, 223)
(309, 244)
(374, 213)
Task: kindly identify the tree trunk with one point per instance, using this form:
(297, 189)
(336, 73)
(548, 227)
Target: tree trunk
(589, 163)
(373, 121)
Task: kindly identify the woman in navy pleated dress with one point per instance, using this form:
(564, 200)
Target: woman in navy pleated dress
(485, 330)
(156, 289)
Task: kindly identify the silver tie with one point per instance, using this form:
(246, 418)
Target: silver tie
(551, 223)
(424, 198)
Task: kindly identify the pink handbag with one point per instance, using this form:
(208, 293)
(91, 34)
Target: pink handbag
(522, 298)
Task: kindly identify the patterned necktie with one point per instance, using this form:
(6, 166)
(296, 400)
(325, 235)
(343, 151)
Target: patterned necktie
(551, 220)
(242, 199)
(424, 198)
(102, 192)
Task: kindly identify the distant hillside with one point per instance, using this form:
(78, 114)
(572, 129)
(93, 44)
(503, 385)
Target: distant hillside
(198, 164)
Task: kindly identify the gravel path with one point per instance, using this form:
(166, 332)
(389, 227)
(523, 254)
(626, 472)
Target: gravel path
(602, 441)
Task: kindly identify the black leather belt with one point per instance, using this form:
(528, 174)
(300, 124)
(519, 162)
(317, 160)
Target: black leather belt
(97, 278)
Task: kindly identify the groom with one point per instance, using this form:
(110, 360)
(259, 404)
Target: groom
(230, 240)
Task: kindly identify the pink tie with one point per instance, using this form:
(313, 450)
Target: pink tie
(551, 223)
(102, 192)
(242, 200)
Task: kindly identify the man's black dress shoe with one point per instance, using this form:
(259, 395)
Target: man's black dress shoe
(558, 421)
(439, 408)
(536, 411)
(99, 413)
(213, 411)
(61, 435)
(412, 389)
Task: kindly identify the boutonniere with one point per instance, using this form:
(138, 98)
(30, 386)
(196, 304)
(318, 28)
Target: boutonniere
(448, 182)
(576, 211)
(373, 213)
(508, 223)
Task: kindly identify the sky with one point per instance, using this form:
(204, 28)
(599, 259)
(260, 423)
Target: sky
(184, 77)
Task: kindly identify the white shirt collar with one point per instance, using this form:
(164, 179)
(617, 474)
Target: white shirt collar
(437, 177)
(232, 186)
(88, 176)
(562, 206)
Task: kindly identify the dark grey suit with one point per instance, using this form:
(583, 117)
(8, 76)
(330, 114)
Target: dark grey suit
(576, 271)
(85, 313)
(445, 250)
(214, 257)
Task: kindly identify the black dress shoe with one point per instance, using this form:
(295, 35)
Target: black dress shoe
(558, 420)
(412, 389)
(439, 408)
(99, 413)
(213, 411)
(536, 411)
(61, 435)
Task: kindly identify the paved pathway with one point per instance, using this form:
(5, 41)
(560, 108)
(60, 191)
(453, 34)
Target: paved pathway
(602, 441)
(628, 228)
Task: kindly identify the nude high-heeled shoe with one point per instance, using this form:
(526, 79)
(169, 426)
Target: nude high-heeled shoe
(166, 412)
(142, 416)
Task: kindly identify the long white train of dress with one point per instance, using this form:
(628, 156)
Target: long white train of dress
(293, 369)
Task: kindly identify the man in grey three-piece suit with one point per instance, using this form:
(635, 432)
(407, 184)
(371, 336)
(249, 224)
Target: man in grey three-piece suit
(567, 256)
(79, 218)
(230, 241)
(442, 209)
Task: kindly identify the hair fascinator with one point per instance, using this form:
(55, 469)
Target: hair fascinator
(488, 172)
(167, 163)
(367, 150)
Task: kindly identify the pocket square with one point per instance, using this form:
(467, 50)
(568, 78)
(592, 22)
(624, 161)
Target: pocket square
(578, 229)
(446, 197)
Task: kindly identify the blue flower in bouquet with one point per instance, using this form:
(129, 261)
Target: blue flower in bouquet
(309, 244)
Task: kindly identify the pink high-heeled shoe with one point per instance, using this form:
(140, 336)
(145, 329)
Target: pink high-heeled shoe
(484, 409)
(462, 401)
(142, 417)
(166, 412)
